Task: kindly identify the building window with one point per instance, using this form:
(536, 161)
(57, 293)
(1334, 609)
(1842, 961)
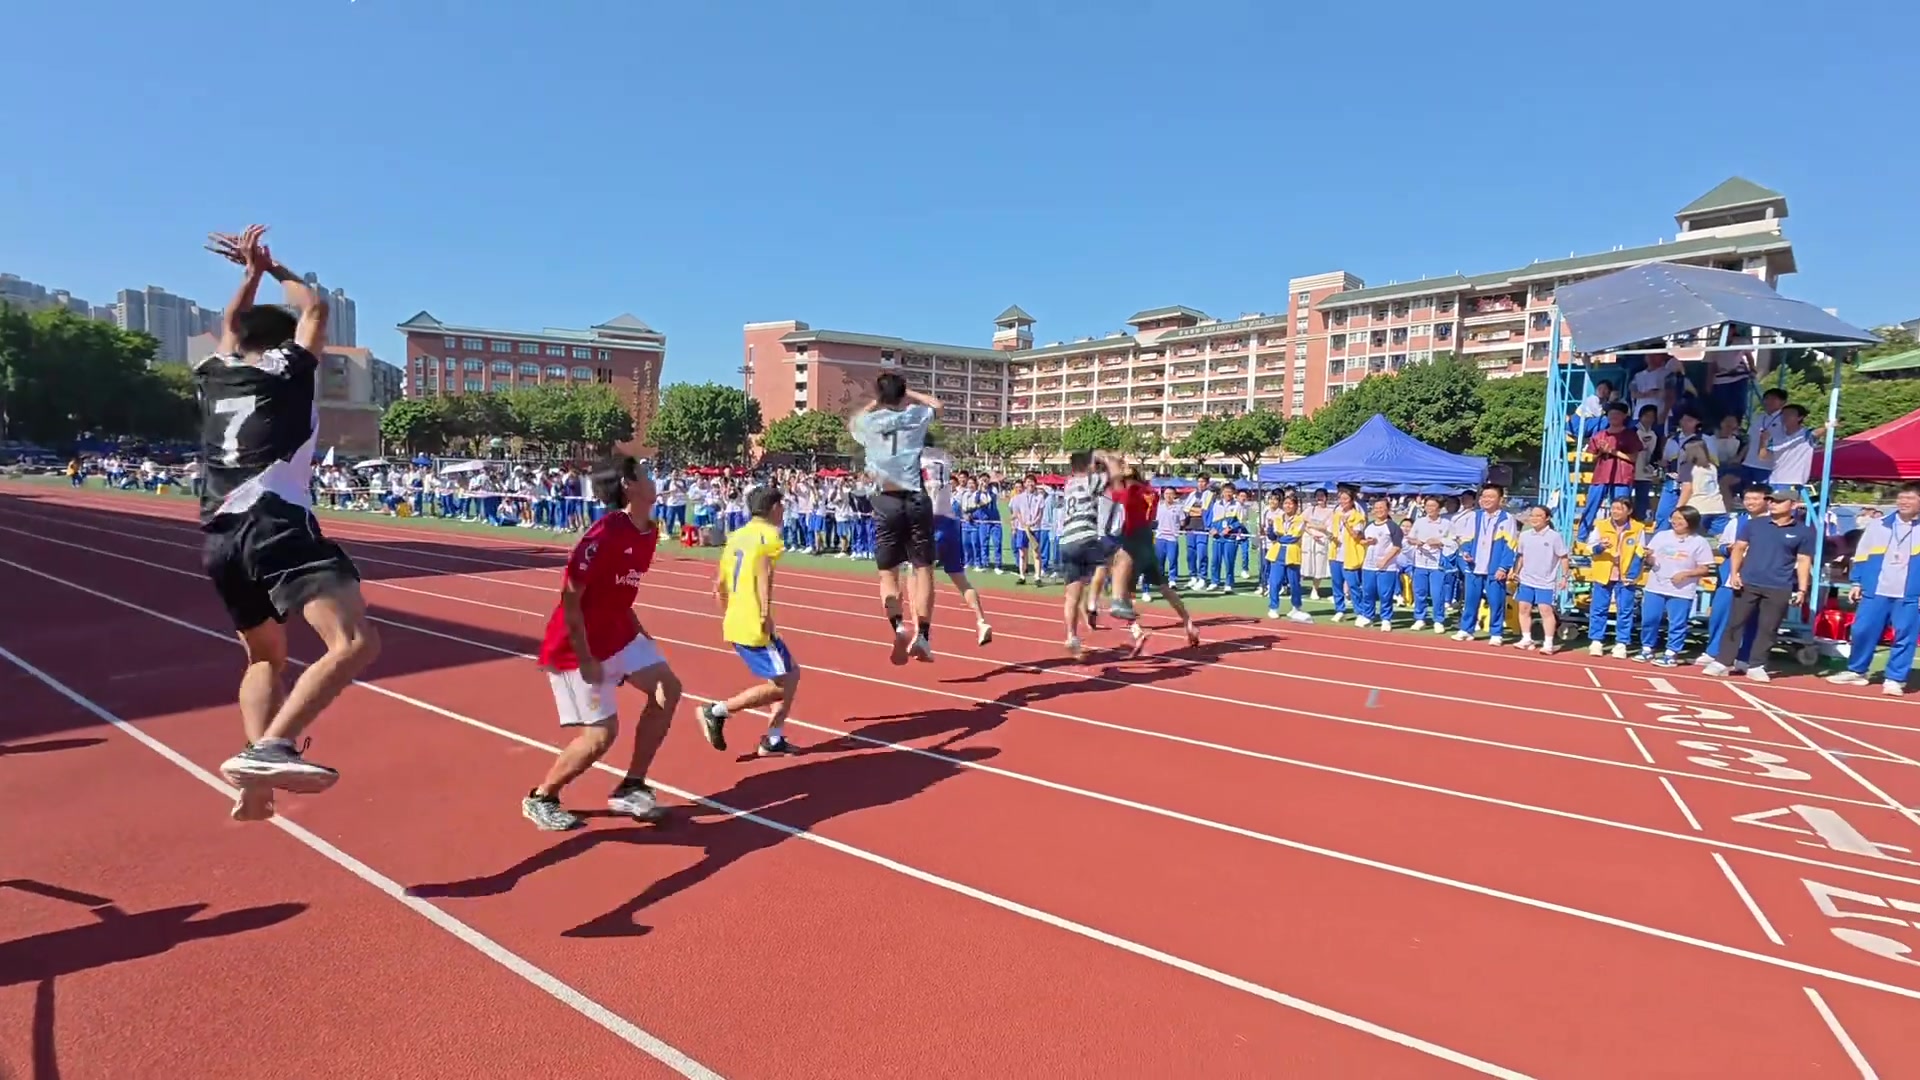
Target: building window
(472, 385)
(529, 369)
(605, 355)
(582, 373)
(1303, 298)
(452, 364)
(528, 348)
(450, 343)
(503, 367)
(556, 371)
(503, 346)
(1300, 350)
(472, 343)
(420, 363)
(582, 354)
(556, 350)
(474, 365)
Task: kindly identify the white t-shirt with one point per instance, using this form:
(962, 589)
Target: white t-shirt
(1764, 425)
(1670, 554)
(1649, 387)
(1792, 457)
(1424, 531)
(1386, 537)
(936, 471)
(1540, 553)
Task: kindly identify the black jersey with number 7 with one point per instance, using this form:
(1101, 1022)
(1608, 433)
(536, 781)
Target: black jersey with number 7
(258, 426)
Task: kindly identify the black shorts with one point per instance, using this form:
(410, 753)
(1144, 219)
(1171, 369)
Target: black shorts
(1081, 558)
(902, 529)
(268, 560)
(1138, 544)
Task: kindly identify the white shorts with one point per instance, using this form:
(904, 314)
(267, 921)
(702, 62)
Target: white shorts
(581, 704)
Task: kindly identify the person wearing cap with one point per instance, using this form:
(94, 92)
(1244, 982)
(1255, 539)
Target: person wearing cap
(1887, 592)
(1770, 571)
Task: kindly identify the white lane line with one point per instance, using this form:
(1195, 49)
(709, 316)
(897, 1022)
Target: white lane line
(1839, 1033)
(1182, 740)
(622, 1028)
(1642, 747)
(1108, 725)
(1779, 716)
(1685, 810)
(1746, 898)
(1045, 917)
(680, 1062)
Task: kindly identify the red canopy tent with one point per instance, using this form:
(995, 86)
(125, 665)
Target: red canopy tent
(1887, 454)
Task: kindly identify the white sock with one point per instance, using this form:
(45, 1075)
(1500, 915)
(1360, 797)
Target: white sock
(719, 710)
(275, 744)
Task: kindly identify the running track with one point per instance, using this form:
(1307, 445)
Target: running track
(1298, 851)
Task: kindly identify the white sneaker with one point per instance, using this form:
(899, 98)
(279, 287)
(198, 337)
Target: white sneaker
(1074, 648)
(1549, 649)
(1596, 649)
(1524, 644)
(1296, 615)
(983, 635)
(1893, 689)
(1496, 642)
(634, 801)
(1440, 628)
(1362, 621)
(1847, 678)
(1462, 635)
(1714, 668)
(1338, 616)
(1759, 674)
(1386, 625)
(1273, 613)
(1619, 650)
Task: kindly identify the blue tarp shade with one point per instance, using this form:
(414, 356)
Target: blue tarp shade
(1379, 455)
(1643, 304)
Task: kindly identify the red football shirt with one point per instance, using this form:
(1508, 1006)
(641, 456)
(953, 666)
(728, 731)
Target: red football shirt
(1138, 501)
(605, 567)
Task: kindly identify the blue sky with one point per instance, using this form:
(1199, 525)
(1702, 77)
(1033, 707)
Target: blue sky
(913, 169)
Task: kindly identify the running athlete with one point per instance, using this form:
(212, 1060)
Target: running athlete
(744, 587)
(1082, 550)
(936, 470)
(1138, 559)
(594, 642)
(264, 551)
(893, 430)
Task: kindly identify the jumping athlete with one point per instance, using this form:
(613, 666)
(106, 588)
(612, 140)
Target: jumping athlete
(936, 469)
(1138, 559)
(893, 430)
(264, 551)
(594, 642)
(744, 587)
(1082, 550)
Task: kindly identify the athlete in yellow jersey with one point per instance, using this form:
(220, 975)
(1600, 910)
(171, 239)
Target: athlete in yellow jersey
(745, 591)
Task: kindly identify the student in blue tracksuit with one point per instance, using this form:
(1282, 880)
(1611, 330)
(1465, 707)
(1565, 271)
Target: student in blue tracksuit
(1753, 502)
(1284, 530)
(1886, 588)
(965, 509)
(1430, 540)
(1488, 546)
(991, 534)
(1198, 506)
(1226, 532)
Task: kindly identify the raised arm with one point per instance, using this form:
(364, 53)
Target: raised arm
(234, 249)
(928, 400)
(306, 301)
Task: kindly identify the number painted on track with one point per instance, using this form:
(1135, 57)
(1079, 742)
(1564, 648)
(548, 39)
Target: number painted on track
(1767, 766)
(1828, 899)
(1660, 684)
(1824, 825)
(1696, 716)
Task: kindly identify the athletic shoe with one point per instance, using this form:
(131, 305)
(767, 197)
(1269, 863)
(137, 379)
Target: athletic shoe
(1140, 635)
(1361, 622)
(774, 746)
(1759, 674)
(1193, 637)
(1075, 649)
(921, 649)
(984, 636)
(900, 642)
(1549, 649)
(1596, 648)
(1847, 678)
(713, 727)
(1496, 642)
(1273, 613)
(1296, 615)
(635, 799)
(254, 804)
(1619, 650)
(1386, 625)
(1122, 610)
(1893, 689)
(547, 814)
(1440, 628)
(1418, 624)
(1644, 656)
(1462, 635)
(1524, 645)
(1714, 668)
(277, 765)
(1666, 660)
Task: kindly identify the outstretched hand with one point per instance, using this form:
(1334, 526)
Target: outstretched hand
(244, 249)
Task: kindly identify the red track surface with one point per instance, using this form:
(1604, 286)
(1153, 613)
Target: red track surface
(1237, 861)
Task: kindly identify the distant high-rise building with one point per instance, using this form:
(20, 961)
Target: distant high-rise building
(26, 295)
(342, 318)
(170, 319)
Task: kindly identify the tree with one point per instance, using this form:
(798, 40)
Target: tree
(1143, 442)
(805, 434)
(704, 423)
(1512, 418)
(1893, 341)
(1438, 402)
(62, 375)
(999, 446)
(602, 419)
(1249, 436)
(1201, 443)
(417, 425)
(1092, 432)
(1307, 434)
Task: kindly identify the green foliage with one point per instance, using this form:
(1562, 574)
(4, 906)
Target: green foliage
(1201, 443)
(704, 423)
(1092, 432)
(1144, 442)
(807, 433)
(562, 419)
(1248, 436)
(1893, 341)
(1512, 418)
(1438, 402)
(999, 446)
(62, 375)
(1307, 435)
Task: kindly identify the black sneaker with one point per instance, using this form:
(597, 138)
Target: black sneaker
(775, 745)
(714, 727)
(277, 766)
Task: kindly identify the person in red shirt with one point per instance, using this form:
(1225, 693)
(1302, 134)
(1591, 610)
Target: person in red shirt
(1137, 561)
(1616, 450)
(594, 642)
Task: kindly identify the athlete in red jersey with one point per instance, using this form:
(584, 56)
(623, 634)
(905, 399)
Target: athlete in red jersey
(1136, 561)
(594, 642)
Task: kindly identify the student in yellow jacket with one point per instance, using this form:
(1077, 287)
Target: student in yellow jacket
(1346, 553)
(1617, 547)
(1284, 530)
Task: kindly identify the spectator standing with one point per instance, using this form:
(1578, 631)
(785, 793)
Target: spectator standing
(1770, 571)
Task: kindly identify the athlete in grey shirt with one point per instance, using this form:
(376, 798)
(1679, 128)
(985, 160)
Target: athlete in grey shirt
(892, 429)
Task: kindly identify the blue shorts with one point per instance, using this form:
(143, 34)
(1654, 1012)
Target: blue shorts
(769, 662)
(948, 553)
(1534, 594)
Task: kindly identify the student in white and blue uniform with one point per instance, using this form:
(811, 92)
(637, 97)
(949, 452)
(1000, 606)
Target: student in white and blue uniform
(1487, 540)
(1886, 587)
(1429, 540)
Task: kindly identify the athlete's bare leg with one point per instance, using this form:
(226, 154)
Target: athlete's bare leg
(339, 616)
(661, 688)
(1072, 612)
(971, 595)
(263, 689)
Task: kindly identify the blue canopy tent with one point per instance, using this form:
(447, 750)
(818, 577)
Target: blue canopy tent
(1658, 307)
(1380, 456)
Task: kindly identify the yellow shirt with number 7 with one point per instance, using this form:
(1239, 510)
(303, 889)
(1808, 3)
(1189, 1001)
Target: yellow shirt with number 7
(739, 569)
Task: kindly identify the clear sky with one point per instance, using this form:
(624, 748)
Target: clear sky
(915, 168)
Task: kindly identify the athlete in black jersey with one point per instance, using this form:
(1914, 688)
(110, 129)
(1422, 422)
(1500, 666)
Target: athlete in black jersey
(264, 551)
